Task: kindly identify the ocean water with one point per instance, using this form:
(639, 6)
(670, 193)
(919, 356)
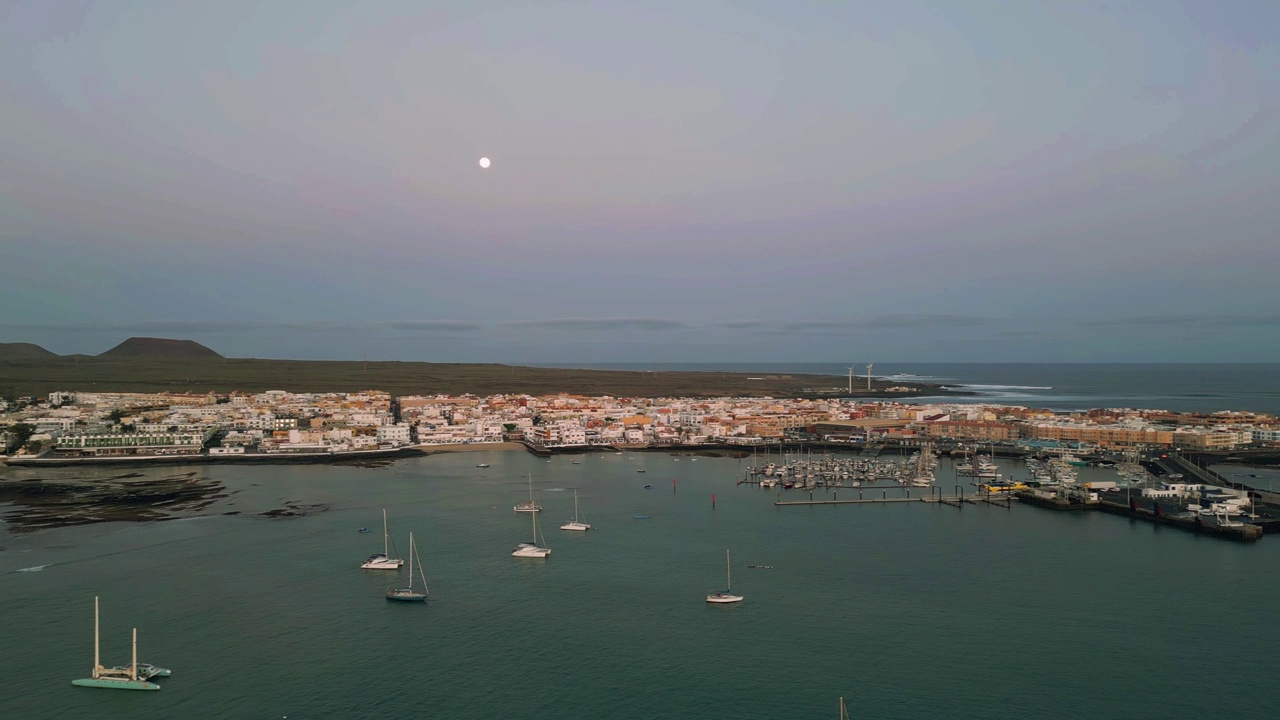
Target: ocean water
(1184, 387)
(905, 610)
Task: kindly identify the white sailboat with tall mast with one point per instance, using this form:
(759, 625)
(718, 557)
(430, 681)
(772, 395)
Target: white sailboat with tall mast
(133, 676)
(383, 560)
(532, 549)
(529, 505)
(575, 523)
(408, 594)
(726, 595)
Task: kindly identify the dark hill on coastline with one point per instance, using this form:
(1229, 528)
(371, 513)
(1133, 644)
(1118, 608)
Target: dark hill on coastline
(159, 348)
(23, 351)
(39, 377)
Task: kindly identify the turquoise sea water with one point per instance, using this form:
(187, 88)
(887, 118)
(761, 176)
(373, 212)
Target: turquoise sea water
(907, 610)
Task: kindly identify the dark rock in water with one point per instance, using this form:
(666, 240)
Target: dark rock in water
(45, 504)
(295, 510)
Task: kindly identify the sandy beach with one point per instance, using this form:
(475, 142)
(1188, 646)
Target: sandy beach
(467, 447)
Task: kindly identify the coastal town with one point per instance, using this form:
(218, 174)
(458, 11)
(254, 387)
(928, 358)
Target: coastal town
(71, 426)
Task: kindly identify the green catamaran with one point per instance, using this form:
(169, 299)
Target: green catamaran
(126, 677)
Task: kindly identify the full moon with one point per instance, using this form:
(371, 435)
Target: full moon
(484, 162)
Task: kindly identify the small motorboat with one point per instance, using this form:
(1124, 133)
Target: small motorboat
(648, 487)
(641, 517)
(364, 530)
(482, 465)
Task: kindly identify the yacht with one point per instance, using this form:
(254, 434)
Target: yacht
(575, 523)
(529, 505)
(531, 549)
(382, 560)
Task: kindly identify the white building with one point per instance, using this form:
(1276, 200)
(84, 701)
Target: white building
(393, 434)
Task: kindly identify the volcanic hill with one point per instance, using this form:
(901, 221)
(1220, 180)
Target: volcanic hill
(159, 348)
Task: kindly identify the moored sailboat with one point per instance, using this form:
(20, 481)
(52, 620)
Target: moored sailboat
(531, 549)
(128, 677)
(726, 595)
(529, 505)
(408, 594)
(575, 523)
(383, 560)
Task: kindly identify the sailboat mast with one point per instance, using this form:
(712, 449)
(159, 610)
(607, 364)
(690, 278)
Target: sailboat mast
(96, 663)
(386, 547)
(133, 668)
(410, 561)
(728, 572)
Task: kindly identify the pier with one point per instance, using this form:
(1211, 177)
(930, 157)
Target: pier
(1241, 532)
(937, 498)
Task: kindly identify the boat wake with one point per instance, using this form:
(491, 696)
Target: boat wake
(34, 568)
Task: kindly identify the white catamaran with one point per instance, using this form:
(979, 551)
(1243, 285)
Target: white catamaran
(726, 595)
(575, 523)
(531, 549)
(383, 560)
(408, 594)
(133, 676)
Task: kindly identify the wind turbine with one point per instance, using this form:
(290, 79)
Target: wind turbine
(851, 381)
(869, 366)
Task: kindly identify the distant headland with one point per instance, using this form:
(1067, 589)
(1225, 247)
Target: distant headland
(166, 365)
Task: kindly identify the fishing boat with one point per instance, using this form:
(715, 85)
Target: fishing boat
(575, 524)
(529, 505)
(482, 465)
(128, 677)
(383, 560)
(531, 549)
(726, 595)
(408, 594)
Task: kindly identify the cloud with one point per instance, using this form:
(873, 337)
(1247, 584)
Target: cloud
(848, 325)
(1225, 320)
(602, 323)
(434, 325)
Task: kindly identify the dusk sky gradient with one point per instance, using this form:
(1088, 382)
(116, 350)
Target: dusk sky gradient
(685, 181)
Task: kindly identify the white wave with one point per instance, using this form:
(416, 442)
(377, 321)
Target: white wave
(1004, 387)
(34, 568)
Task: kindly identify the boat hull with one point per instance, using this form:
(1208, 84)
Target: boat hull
(405, 596)
(583, 527)
(381, 562)
(115, 684)
(531, 552)
(528, 508)
(723, 599)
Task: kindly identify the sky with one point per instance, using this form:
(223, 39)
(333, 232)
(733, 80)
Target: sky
(670, 182)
